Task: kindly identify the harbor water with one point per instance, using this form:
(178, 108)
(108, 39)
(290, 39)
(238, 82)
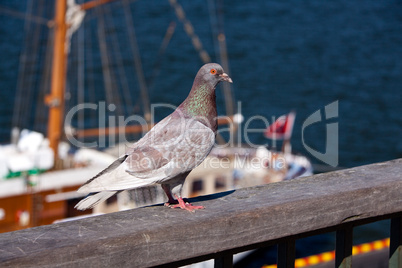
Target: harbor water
(283, 56)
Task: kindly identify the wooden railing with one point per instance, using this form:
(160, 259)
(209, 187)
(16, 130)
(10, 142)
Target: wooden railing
(232, 222)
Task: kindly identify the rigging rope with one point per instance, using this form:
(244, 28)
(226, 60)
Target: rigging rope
(81, 74)
(120, 71)
(189, 29)
(44, 87)
(25, 114)
(111, 54)
(107, 76)
(216, 17)
(19, 98)
(90, 63)
(137, 62)
(166, 40)
(34, 81)
(25, 16)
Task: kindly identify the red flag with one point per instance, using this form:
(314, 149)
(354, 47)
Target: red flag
(281, 128)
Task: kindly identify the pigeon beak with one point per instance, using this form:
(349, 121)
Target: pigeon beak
(226, 78)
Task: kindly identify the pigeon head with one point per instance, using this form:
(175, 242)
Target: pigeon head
(207, 79)
(201, 102)
(210, 75)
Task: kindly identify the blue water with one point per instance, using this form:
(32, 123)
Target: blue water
(283, 55)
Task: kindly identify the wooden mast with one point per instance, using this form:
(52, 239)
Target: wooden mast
(55, 100)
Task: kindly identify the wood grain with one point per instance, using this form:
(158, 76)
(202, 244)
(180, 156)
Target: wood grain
(233, 220)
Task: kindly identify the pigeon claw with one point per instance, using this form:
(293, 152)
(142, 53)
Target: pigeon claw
(184, 205)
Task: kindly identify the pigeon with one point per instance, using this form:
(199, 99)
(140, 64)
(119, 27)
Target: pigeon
(169, 151)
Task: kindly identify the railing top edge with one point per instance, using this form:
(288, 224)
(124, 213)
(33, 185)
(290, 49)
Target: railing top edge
(155, 235)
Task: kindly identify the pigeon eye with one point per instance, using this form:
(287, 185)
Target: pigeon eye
(213, 71)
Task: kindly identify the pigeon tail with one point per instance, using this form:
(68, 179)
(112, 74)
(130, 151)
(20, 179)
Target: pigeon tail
(116, 180)
(109, 169)
(93, 199)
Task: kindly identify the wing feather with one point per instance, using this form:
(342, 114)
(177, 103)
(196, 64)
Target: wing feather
(175, 147)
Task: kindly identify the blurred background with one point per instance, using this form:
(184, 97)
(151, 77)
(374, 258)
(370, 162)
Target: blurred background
(281, 55)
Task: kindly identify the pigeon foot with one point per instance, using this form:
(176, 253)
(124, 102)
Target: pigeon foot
(184, 205)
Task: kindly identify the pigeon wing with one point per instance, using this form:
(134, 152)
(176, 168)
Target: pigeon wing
(163, 153)
(132, 169)
(171, 149)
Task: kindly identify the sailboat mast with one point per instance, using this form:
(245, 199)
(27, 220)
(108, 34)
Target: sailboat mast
(55, 100)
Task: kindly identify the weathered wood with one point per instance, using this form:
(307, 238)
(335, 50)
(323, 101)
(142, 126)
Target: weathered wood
(395, 247)
(344, 245)
(287, 253)
(158, 235)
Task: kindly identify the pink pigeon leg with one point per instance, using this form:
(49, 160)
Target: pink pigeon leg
(179, 203)
(169, 195)
(185, 205)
